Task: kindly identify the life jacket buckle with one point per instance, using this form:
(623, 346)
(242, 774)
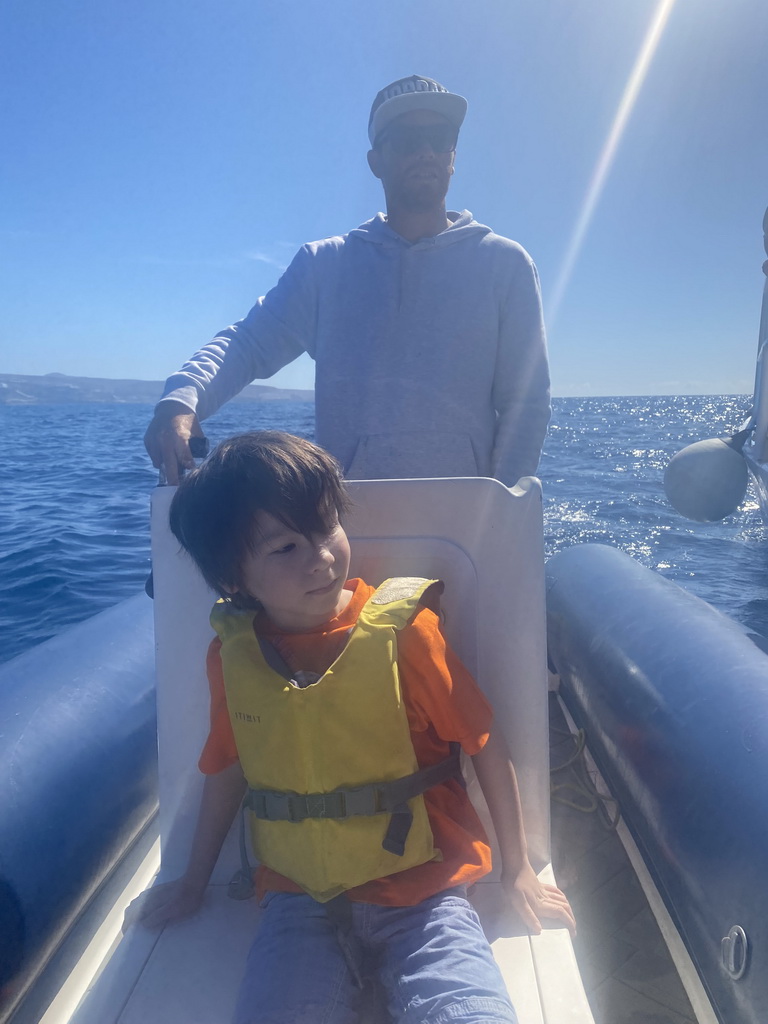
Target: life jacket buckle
(363, 800)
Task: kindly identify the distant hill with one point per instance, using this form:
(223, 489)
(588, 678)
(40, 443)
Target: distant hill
(59, 389)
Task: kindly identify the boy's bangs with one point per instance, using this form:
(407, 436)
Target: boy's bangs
(309, 504)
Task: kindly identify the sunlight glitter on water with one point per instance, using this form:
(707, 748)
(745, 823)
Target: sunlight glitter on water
(74, 535)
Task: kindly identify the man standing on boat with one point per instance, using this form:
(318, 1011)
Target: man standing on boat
(426, 327)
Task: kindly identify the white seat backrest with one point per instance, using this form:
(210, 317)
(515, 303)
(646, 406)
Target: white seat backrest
(482, 539)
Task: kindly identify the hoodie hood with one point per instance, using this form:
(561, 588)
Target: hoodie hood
(377, 231)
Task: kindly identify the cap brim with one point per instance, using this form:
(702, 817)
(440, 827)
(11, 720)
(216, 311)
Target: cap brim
(449, 104)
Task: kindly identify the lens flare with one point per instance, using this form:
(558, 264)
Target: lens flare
(608, 153)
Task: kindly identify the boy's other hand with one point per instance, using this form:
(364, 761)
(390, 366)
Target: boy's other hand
(167, 439)
(163, 904)
(534, 900)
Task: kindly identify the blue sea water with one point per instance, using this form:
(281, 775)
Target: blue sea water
(76, 485)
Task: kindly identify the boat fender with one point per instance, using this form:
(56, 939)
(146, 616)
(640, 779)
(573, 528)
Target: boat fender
(707, 481)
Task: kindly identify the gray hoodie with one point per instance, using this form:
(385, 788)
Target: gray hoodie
(430, 356)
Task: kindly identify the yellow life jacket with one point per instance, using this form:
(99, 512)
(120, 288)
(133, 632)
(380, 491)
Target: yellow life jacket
(335, 788)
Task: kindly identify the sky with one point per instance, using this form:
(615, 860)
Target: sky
(163, 160)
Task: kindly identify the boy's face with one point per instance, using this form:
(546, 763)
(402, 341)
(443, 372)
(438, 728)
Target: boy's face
(299, 582)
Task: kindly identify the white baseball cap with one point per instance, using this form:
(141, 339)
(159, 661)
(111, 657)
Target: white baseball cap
(414, 93)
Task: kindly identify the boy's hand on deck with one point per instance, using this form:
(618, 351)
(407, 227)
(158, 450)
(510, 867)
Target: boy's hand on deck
(164, 904)
(534, 900)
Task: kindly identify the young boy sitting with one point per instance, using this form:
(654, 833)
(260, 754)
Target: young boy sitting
(337, 710)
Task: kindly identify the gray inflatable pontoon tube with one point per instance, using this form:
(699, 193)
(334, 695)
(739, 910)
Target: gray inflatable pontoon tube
(673, 697)
(78, 763)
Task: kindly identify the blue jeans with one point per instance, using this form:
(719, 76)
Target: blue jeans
(432, 965)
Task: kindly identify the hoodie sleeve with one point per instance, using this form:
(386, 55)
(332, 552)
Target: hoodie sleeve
(276, 331)
(521, 381)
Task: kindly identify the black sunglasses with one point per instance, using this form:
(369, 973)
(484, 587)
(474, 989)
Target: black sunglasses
(408, 139)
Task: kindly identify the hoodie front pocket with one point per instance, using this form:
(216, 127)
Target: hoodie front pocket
(406, 455)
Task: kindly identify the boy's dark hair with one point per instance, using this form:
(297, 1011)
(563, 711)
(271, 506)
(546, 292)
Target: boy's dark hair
(214, 510)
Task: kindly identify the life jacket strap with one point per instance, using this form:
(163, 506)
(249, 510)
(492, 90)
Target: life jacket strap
(374, 798)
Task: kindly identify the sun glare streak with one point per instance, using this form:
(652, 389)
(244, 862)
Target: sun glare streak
(608, 153)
